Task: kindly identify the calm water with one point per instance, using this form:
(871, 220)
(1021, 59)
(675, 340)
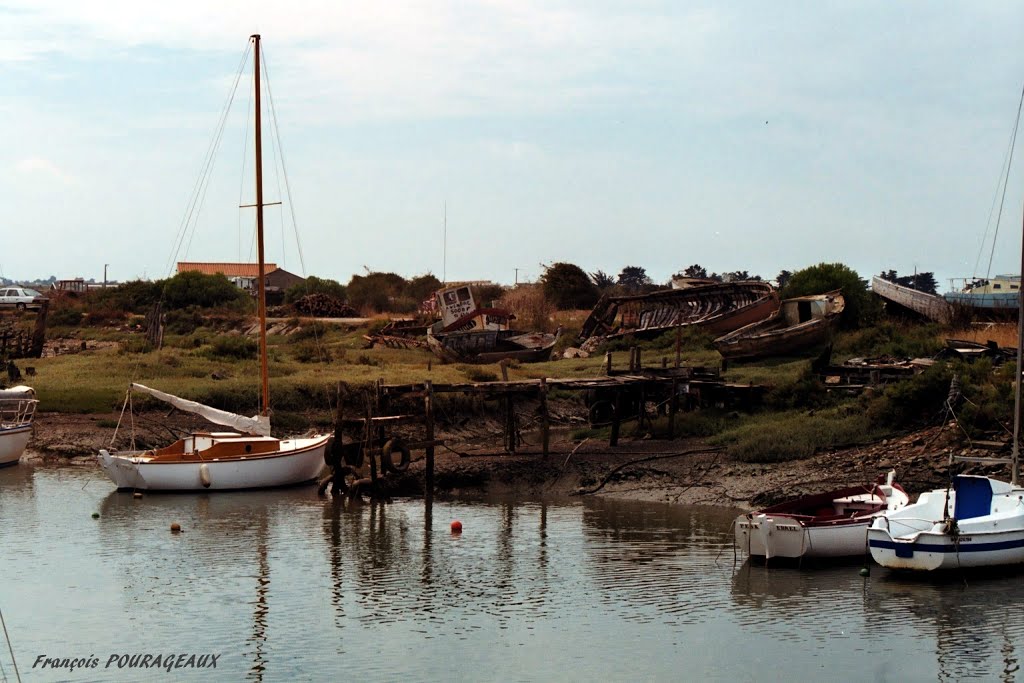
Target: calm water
(284, 586)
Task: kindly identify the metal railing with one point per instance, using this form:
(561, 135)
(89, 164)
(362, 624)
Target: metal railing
(16, 412)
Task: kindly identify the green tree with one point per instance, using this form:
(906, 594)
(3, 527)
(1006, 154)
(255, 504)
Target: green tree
(315, 285)
(376, 292)
(696, 270)
(422, 287)
(567, 286)
(782, 279)
(861, 308)
(205, 291)
(602, 280)
(634, 279)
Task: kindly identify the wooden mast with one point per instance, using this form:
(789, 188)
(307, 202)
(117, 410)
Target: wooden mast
(261, 282)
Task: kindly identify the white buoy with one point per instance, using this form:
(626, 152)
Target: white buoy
(204, 475)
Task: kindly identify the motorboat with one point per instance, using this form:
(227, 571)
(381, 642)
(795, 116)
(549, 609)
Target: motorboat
(17, 410)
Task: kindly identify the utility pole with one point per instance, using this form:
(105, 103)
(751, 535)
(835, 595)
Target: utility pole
(105, 265)
(517, 275)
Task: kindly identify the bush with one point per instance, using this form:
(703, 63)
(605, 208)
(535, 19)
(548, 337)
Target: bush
(476, 374)
(135, 345)
(65, 315)
(205, 291)
(529, 305)
(777, 437)
(567, 286)
(861, 307)
(237, 347)
(887, 338)
(308, 352)
(316, 285)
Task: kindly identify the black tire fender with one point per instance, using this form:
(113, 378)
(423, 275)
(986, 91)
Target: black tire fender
(387, 463)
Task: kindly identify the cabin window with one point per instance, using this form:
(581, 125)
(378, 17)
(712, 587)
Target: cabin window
(997, 286)
(248, 448)
(449, 298)
(1014, 287)
(463, 294)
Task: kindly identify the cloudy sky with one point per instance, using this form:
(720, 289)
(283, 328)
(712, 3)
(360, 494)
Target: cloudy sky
(755, 136)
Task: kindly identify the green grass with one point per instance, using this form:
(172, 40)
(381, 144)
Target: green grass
(775, 437)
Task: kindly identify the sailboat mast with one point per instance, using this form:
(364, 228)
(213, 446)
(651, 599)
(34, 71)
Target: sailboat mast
(1015, 476)
(261, 281)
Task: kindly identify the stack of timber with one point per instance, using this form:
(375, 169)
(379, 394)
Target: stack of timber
(800, 323)
(324, 306)
(930, 306)
(718, 308)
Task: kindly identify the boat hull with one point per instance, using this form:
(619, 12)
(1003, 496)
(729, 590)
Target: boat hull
(771, 536)
(979, 522)
(299, 461)
(12, 444)
(445, 348)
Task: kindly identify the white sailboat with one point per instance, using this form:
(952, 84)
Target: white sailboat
(248, 457)
(976, 522)
(17, 408)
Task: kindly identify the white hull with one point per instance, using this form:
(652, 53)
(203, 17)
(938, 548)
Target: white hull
(298, 461)
(778, 536)
(919, 537)
(12, 443)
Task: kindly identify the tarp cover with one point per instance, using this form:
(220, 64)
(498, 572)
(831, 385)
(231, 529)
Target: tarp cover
(257, 424)
(18, 392)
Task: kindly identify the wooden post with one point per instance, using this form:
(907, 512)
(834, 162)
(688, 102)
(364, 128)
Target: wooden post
(510, 425)
(545, 422)
(664, 362)
(673, 408)
(679, 346)
(369, 434)
(503, 364)
(39, 334)
(639, 365)
(613, 440)
(337, 447)
(428, 410)
(608, 363)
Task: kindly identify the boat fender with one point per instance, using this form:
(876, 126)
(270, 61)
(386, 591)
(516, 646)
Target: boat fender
(387, 463)
(204, 475)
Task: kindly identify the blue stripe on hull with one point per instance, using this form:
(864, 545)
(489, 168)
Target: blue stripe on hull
(903, 549)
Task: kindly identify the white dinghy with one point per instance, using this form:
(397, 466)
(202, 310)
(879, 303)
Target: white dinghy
(17, 408)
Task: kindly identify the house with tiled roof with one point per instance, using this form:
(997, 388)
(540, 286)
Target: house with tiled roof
(245, 274)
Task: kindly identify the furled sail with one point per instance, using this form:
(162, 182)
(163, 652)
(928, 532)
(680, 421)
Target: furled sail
(257, 424)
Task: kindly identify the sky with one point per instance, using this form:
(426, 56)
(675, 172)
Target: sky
(482, 140)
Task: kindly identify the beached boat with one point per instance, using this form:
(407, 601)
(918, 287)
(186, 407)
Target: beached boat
(718, 308)
(17, 408)
(993, 297)
(248, 456)
(823, 525)
(800, 323)
(467, 333)
(931, 306)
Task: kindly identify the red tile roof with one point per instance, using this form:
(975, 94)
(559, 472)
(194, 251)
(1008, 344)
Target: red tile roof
(229, 269)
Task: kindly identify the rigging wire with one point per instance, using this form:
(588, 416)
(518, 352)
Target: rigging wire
(206, 168)
(241, 179)
(10, 649)
(1006, 183)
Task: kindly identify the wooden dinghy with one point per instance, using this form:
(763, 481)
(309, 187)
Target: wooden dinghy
(800, 323)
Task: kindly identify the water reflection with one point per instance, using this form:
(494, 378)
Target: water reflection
(290, 587)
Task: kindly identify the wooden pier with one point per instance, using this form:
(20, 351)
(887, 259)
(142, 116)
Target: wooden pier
(618, 396)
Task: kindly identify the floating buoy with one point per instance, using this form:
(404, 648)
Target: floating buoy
(95, 515)
(456, 527)
(137, 495)
(175, 527)
(865, 571)
(204, 475)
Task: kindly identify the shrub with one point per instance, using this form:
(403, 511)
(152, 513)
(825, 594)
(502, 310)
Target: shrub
(567, 286)
(316, 285)
(206, 291)
(861, 307)
(135, 345)
(309, 352)
(531, 308)
(237, 347)
(476, 374)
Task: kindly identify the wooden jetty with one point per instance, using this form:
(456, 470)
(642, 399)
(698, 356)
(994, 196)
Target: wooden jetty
(620, 395)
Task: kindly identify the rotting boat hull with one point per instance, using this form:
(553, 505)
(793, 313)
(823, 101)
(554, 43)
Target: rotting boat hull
(298, 461)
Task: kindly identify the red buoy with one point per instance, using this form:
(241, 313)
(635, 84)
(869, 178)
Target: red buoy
(456, 527)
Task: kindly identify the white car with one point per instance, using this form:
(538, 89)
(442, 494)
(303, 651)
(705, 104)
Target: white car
(20, 298)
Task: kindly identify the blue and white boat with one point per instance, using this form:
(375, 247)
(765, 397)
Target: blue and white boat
(997, 295)
(17, 408)
(979, 522)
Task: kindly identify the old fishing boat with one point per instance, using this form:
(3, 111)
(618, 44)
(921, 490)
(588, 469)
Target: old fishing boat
(995, 297)
(930, 306)
(467, 333)
(17, 408)
(718, 308)
(800, 323)
(823, 525)
(246, 457)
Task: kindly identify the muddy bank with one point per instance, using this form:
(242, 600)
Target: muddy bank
(684, 471)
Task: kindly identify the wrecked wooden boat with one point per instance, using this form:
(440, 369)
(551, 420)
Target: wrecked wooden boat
(824, 525)
(470, 334)
(931, 306)
(718, 308)
(800, 323)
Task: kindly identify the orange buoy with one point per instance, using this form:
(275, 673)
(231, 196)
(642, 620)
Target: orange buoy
(175, 527)
(456, 527)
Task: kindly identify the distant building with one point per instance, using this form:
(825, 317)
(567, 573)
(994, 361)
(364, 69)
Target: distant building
(245, 275)
(80, 285)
